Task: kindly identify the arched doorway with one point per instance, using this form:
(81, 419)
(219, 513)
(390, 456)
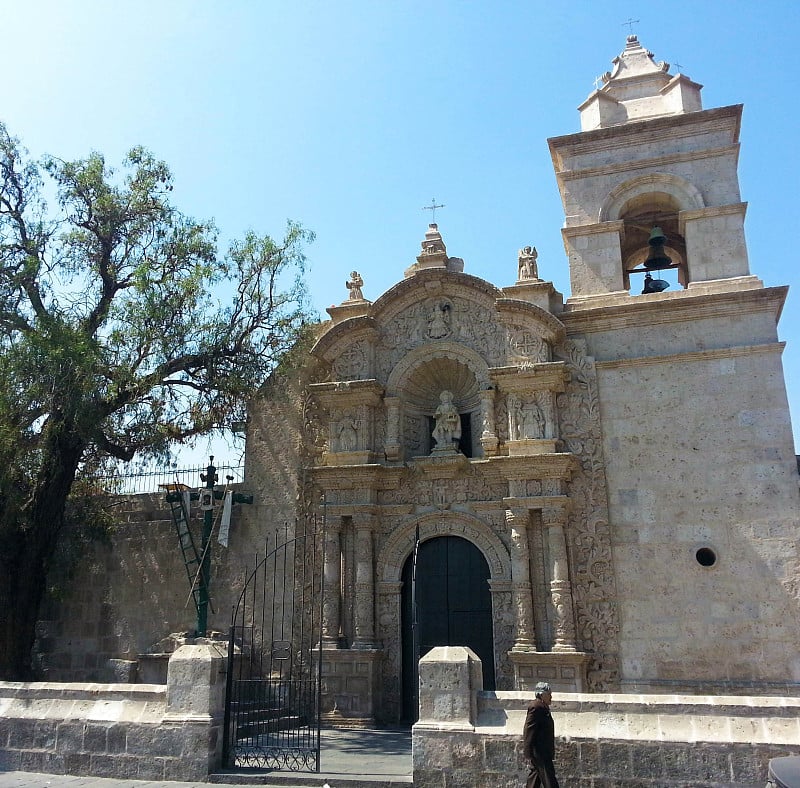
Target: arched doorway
(454, 608)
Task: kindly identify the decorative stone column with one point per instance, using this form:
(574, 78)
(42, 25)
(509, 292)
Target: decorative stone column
(364, 607)
(489, 439)
(392, 446)
(332, 573)
(554, 519)
(521, 594)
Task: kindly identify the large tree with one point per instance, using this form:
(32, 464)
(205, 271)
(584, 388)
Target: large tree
(122, 331)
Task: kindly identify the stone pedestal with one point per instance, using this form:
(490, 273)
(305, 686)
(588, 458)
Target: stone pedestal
(564, 671)
(196, 681)
(449, 678)
(350, 689)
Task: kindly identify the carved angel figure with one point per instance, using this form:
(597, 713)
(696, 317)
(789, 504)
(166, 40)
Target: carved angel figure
(354, 285)
(526, 265)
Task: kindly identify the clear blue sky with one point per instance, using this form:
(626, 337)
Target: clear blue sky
(350, 116)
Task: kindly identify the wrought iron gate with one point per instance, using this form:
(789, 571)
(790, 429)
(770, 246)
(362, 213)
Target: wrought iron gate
(272, 708)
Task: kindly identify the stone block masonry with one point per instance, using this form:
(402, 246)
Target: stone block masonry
(603, 740)
(141, 731)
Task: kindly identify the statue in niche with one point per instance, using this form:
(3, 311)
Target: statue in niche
(348, 434)
(526, 263)
(532, 421)
(354, 285)
(515, 417)
(448, 423)
(439, 320)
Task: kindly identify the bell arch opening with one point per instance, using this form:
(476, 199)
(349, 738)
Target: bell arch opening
(652, 247)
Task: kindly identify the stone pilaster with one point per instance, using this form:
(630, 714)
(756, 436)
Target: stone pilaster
(364, 603)
(489, 439)
(392, 447)
(332, 572)
(521, 594)
(554, 520)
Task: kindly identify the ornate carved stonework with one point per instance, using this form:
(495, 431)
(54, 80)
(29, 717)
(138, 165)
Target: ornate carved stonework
(588, 532)
(526, 346)
(442, 493)
(351, 363)
(440, 320)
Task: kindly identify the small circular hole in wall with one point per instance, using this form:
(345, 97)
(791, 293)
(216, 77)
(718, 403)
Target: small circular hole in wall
(706, 556)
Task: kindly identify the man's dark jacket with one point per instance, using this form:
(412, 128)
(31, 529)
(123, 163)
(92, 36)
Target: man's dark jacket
(539, 744)
(539, 739)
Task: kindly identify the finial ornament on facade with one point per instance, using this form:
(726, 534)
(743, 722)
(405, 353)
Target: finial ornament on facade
(432, 208)
(354, 285)
(526, 263)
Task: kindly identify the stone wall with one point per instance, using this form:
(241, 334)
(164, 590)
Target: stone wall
(469, 737)
(147, 731)
(126, 592)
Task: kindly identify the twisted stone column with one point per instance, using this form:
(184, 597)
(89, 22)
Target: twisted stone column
(364, 607)
(554, 520)
(521, 594)
(332, 573)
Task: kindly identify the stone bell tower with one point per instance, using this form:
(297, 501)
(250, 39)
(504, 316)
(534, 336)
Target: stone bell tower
(649, 155)
(697, 450)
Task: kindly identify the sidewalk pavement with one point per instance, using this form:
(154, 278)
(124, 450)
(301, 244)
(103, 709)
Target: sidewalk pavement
(345, 754)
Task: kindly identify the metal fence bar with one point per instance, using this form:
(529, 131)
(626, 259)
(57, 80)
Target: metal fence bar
(125, 483)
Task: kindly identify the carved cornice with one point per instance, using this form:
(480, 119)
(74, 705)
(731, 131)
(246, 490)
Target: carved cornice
(678, 307)
(346, 393)
(558, 465)
(348, 477)
(544, 376)
(646, 131)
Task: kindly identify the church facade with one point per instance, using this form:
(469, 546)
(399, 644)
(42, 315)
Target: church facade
(600, 492)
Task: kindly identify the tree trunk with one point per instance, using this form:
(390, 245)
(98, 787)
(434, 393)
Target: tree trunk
(27, 543)
(22, 585)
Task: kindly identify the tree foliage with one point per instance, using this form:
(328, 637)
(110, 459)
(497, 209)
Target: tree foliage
(122, 331)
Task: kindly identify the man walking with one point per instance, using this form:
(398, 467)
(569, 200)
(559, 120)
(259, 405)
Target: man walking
(539, 740)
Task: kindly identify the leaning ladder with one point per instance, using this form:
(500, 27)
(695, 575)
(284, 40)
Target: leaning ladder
(180, 518)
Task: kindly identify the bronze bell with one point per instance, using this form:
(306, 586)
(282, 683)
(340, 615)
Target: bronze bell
(654, 285)
(657, 257)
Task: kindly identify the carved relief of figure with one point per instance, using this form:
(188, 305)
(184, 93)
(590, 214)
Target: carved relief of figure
(526, 263)
(439, 320)
(532, 421)
(516, 417)
(348, 434)
(448, 423)
(354, 285)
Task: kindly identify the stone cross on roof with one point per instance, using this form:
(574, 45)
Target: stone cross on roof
(432, 208)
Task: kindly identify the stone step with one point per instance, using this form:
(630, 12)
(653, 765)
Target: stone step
(311, 780)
